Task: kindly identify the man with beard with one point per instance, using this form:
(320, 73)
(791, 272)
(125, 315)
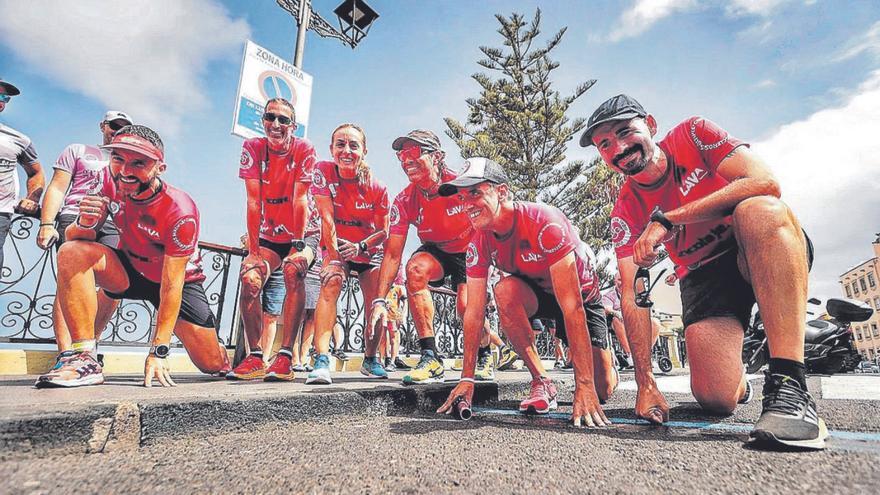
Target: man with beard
(715, 206)
(277, 172)
(157, 261)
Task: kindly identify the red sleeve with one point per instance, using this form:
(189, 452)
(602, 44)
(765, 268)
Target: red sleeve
(305, 159)
(251, 157)
(477, 257)
(319, 185)
(555, 235)
(183, 234)
(713, 143)
(398, 216)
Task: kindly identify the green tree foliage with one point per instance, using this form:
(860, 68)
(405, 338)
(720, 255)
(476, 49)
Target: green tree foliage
(518, 119)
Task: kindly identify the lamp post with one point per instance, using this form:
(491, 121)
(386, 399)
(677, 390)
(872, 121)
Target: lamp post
(355, 19)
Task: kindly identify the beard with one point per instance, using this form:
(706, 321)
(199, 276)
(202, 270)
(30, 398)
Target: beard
(634, 166)
(125, 186)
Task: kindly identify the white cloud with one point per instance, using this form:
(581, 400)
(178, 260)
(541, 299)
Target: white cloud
(869, 42)
(143, 57)
(762, 8)
(828, 165)
(765, 84)
(644, 14)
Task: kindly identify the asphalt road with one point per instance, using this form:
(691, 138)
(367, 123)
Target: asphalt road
(490, 454)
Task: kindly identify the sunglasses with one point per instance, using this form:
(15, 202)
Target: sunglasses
(115, 126)
(5, 98)
(411, 153)
(272, 117)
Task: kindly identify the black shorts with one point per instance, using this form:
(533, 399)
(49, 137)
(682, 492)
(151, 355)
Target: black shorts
(194, 306)
(108, 235)
(282, 249)
(453, 265)
(548, 309)
(719, 289)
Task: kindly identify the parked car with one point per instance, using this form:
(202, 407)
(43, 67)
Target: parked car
(867, 367)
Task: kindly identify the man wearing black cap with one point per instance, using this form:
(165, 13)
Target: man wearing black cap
(444, 229)
(551, 275)
(79, 170)
(16, 148)
(714, 205)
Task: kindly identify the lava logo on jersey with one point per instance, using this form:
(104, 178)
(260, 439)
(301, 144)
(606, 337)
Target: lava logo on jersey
(455, 210)
(471, 256)
(551, 238)
(184, 233)
(360, 205)
(247, 161)
(692, 180)
(318, 179)
(531, 257)
(620, 233)
(394, 215)
(150, 231)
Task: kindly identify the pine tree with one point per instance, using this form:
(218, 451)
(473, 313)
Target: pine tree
(518, 119)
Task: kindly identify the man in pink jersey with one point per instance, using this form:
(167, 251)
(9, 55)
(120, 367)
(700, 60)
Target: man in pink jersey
(551, 275)
(277, 172)
(444, 229)
(79, 171)
(715, 206)
(157, 261)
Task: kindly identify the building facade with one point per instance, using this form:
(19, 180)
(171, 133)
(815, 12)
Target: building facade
(863, 283)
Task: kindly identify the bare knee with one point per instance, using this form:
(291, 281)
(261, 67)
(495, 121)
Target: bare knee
(416, 276)
(715, 401)
(292, 280)
(505, 292)
(759, 217)
(73, 257)
(330, 288)
(251, 284)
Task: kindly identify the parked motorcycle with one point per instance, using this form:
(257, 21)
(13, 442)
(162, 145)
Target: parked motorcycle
(828, 344)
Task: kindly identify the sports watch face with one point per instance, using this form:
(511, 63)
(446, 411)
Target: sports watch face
(161, 351)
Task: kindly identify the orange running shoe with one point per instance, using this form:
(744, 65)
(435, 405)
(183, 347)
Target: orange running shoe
(280, 370)
(252, 368)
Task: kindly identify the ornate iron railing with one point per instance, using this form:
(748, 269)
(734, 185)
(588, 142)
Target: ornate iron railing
(27, 296)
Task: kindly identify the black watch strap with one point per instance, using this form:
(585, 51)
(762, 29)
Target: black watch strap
(363, 246)
(658, 216)
(160, 351)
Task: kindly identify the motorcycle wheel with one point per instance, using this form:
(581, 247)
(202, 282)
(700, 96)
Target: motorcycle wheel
(665, 364)
(756, 360)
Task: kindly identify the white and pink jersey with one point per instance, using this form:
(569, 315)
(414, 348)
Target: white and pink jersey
(541, 236)
(166, 224)
(87, 165)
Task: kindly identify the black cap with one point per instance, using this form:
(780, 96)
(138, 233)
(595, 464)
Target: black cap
(620, 107)
(474, 171)
(9, 88)
(427, 139)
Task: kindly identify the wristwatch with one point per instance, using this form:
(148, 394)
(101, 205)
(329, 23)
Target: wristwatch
(298, 244)
(160, 351)
(363, 246)
(658, 216)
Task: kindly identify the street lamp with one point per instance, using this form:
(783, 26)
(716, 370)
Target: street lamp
(355, 18)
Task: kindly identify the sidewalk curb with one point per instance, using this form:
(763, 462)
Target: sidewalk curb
(125, 425)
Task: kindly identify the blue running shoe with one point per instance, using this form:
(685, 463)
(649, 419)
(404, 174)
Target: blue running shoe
(372, 368)
(321, 374)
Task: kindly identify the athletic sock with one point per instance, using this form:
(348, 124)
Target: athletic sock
(85, 345)
(287, 352)
(258, 353)
(789, 368)
(428, 344)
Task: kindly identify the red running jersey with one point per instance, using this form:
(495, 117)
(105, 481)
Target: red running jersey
(358, 209)
(439, 220)
(279, 176)
(166, 224)
(541, 236)
(694, 149)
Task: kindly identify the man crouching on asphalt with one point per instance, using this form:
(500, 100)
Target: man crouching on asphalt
(716, 208)
(156, 261)
(551, 276)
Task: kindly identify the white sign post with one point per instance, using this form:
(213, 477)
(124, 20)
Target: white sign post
(264, 76)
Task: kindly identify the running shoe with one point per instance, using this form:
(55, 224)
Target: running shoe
(338, 354)
(745, 399)
(321, 373)
(389, 365)
(789, 415)
(299, 368)
(429, 370)
(485, 372)
(251, 368)
(280, 370)
(73, 369)
(372, 368)
(542, 397)
(507, 358)
(558, 364)
(400, 364)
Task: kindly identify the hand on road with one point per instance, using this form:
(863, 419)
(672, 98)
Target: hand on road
(463, 389)
(651, 405)
(157, 368)
(586, 410)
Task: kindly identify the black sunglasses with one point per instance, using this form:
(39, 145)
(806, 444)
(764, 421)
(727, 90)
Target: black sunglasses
(114, 126)
(272, 117)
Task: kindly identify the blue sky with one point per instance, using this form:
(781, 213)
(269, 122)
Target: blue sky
(799, 79)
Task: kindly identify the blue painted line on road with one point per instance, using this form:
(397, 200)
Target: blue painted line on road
(701, 425)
